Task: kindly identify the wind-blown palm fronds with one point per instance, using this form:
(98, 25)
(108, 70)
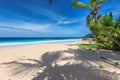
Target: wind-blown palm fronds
(77, 4)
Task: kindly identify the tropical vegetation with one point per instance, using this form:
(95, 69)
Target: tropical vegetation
(109, 25)
(104, 28)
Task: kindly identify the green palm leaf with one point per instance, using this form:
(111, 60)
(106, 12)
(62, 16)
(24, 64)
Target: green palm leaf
(77, 4)
(89, 21)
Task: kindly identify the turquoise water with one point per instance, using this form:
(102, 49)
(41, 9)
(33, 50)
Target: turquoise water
(20, 41)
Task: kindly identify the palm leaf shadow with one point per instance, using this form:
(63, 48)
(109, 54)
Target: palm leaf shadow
(47, 69)
(23, 69)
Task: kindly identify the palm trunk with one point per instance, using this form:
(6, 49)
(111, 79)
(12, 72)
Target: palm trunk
(106, 33)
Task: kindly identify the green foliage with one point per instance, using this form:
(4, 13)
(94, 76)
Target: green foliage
(107, 21)
(117, 63)
(91, 46)
(110, 26)
(89, 21)
(109, 31)
(101, 67)
(94, 28)
(117, 26)
(89, 36)
(97, 46)
(77, 4)
(107, 34)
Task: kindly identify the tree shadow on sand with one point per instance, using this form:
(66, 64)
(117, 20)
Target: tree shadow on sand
(48, 67)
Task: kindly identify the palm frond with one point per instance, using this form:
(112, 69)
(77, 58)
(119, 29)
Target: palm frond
(107, 20)
(92, 1)
(77, 4)
(89, 21)
(111, 15)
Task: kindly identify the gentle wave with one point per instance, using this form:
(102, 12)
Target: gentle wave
(35, 42)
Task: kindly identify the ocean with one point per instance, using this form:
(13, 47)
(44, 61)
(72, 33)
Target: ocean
(21, 41)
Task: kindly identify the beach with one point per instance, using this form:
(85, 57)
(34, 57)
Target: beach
(57, 61)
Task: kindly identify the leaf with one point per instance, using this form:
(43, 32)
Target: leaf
(111, 15)
(77, 4)
(92, 1)
(107, 20)
(89, 21)
(99, 2)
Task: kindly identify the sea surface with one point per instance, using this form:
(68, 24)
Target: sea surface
(21, 41)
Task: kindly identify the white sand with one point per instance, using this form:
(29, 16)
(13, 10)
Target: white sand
(57, 61)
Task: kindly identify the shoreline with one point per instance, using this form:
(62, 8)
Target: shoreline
(78, 41)
(8, 44)
(29, 44)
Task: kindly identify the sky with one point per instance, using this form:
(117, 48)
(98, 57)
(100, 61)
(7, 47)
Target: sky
(36, 18)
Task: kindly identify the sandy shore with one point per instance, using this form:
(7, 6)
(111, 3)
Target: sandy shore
(57, 61)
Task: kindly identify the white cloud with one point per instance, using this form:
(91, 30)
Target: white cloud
(49, 28)
(48, 13)
(54, 16)
(46, 28)
(26, 26)
(66, 22)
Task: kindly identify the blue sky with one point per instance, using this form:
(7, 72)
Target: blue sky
(36, 18)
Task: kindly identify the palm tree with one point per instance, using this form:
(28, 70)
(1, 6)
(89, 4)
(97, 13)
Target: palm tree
(117, 24)
(117, 28)
(94, 6)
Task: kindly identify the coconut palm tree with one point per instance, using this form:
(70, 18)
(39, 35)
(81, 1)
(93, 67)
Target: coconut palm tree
(117, 24)
(117, 28)
(94, 6)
